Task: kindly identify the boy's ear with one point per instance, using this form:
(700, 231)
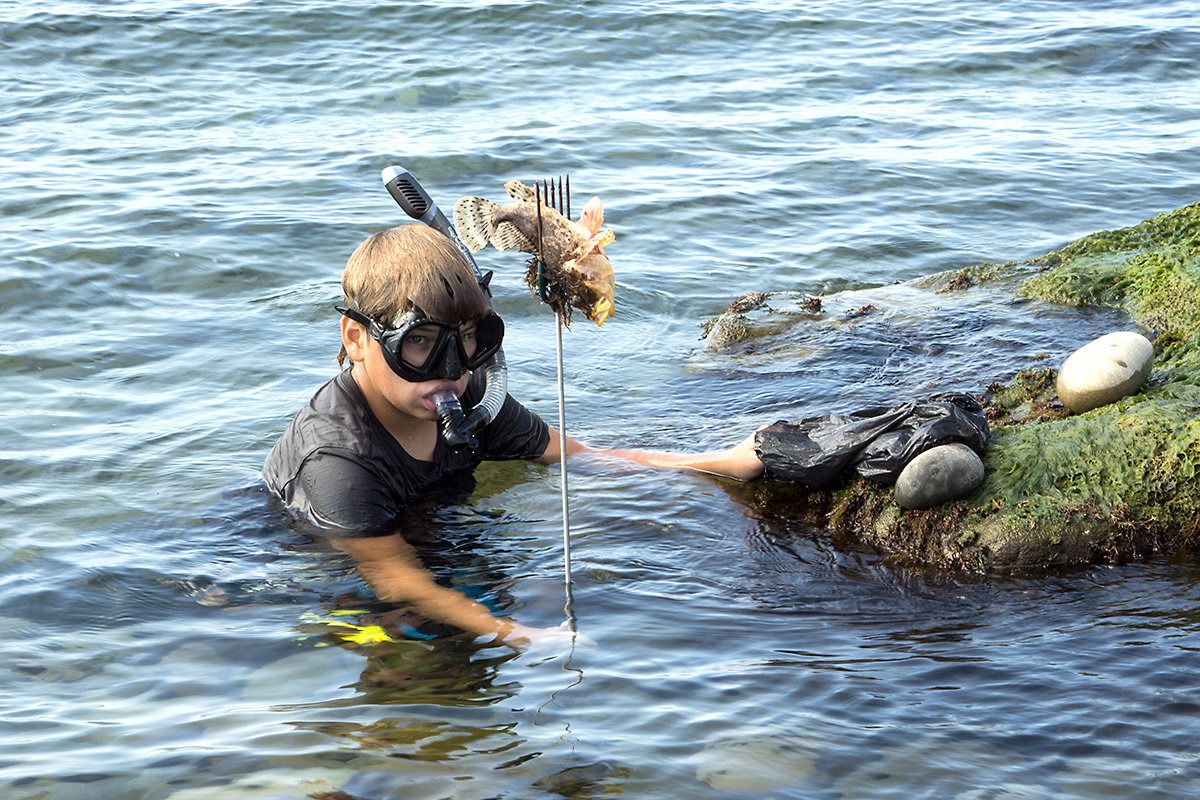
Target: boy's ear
(354, 339)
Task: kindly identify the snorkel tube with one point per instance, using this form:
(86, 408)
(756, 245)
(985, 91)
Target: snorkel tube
(458, 428)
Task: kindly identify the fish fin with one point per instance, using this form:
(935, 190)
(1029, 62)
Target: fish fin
(508, 235)
(601, 311)
(601, 239)
(596, 244)
(519, 192)
(592, 216)
(473, 222)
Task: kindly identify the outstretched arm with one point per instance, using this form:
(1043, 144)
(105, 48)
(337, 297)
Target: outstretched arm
(393, 569)
(739, 462)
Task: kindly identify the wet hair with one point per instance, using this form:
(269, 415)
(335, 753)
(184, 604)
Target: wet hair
(411, 267)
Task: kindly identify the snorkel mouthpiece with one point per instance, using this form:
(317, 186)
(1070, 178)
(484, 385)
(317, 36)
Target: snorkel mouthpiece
(455, 429)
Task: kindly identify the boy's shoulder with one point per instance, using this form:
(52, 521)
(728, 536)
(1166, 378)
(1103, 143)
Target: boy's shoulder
(336, 420)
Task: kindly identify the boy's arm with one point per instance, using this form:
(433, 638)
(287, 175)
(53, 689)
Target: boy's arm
(739, 462)
(393, 569)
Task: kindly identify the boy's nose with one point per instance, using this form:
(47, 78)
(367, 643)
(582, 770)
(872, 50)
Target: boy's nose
(451, 368)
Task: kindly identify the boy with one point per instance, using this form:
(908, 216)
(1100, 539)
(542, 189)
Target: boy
(415, 323)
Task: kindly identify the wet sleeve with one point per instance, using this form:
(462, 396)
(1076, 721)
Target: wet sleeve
(515, 433)
(344, 496)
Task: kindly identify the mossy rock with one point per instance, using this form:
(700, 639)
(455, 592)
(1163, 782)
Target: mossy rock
(1117, 482)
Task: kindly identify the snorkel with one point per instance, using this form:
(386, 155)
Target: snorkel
(458, 428)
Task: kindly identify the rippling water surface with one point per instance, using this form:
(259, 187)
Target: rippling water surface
(182, 184)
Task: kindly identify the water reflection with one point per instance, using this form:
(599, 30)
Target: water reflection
(433, 711)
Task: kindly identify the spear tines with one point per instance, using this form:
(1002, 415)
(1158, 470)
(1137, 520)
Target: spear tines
(558, 198)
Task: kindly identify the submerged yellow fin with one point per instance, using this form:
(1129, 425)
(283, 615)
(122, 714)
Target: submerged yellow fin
(358, 634)
(366, 634)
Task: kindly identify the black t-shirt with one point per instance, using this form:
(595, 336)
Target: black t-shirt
(338, 467)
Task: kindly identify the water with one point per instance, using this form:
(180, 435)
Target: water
(182, 184)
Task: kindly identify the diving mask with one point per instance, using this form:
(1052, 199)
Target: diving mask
(419, 348)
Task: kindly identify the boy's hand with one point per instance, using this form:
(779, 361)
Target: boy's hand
(545, 640)
(743, 462)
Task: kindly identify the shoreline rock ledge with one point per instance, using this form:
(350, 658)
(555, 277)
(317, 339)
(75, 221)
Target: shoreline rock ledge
(1120, 480)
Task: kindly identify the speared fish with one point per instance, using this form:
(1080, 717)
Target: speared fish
(576, 270)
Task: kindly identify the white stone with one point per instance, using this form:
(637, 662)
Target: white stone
(939, 474)
(1104, 370)
(762, 765)
(291, 781)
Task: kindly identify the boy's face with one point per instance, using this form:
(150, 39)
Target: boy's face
(379, 382)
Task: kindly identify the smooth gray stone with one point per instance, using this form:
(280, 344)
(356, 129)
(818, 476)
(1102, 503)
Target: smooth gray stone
(1104, 370)
(937, 475)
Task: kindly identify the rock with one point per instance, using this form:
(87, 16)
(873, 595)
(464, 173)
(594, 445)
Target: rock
(1104, 370)
(938, 475)
(727, 329)
(761, 764)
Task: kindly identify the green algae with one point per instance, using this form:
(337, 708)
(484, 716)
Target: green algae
(957, 280)
(1027, 397)
(1116, 482)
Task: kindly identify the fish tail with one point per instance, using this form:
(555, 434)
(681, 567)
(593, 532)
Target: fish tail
(473, 220)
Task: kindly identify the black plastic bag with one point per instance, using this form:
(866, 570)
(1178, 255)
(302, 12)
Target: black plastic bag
(875, 443)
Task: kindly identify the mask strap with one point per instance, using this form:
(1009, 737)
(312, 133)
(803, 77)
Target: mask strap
(356, 315)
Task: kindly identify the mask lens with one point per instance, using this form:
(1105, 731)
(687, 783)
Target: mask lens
(420, 345)
(420, 349)
(489, 334)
